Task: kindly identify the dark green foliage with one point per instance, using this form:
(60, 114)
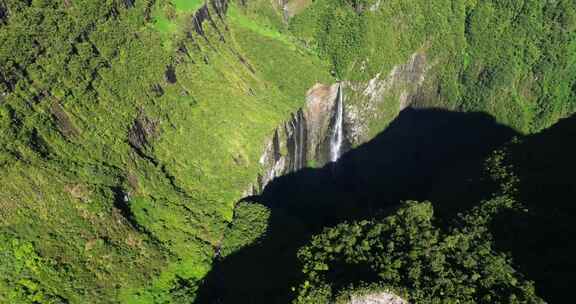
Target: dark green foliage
(526, 46)
(249, 224)
(338, 32)
(118, 184)
(539, 235)
(409, 254)
(33, 279)
(122, 180)
(515, 60)
(342, 35)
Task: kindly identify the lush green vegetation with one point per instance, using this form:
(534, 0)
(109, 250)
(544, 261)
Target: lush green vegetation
(407, 253)
(538, 235)
(130, 129)
(119, 180)
(415, 259)
(250, 224)
(412, 254)
(513, 59)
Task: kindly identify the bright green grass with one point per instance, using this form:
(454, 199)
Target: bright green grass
(187, 5)
(172, 28)
(213, 125)
(164, 25)
(183, 10)
(259, 25)
(218, 135)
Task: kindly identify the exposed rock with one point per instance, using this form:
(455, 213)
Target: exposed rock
(291, 8)
(143, 132)
(170, 74)
(305, 138)
(403, 83)
(201, 15)
(148, 11)
(129, 3)
(296, 133)
(302, 140)
(321, 112)
(78, 191)
(285, 152)
(63, 122)
(157, 90)
(183, 50)
(377, 298)
(132, 180)
(374, 7)
(221, 7)
(283, 5)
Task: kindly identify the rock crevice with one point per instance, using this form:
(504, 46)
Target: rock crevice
(345, 108)
(303, 140)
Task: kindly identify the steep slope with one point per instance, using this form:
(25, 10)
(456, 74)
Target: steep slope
(129, 131)
(523, 230)
(467, 56)
(538, 237)
(406, 254)
(512, 59)
(131, 128)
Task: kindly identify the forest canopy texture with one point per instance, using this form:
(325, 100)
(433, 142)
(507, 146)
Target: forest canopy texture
(134, 137)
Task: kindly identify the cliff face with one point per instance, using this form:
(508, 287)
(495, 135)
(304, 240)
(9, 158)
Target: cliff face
(303, 140)
(373, 104)
(309, 138)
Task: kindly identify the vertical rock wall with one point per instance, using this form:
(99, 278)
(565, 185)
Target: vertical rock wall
(383, 97)
(304, 140)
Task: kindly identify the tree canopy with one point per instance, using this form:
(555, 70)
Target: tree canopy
(407, 253)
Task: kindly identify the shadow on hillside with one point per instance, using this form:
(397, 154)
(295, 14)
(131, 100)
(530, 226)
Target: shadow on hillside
(541, 240)
(431, 155)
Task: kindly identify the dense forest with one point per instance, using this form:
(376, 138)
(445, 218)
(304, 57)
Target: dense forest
(134, 135)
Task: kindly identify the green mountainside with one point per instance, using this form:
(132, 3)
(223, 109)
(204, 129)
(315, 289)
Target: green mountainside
(510, 248)
(131, 129)
(90, 116)
(512, 59)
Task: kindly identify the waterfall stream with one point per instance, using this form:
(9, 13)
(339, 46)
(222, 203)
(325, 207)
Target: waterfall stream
(337, 134)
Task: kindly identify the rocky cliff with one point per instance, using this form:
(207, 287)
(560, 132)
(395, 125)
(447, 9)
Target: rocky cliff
(308, 137)
(373, 104)
(303, 140)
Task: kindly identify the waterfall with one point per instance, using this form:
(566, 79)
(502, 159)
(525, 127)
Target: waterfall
(337, 133)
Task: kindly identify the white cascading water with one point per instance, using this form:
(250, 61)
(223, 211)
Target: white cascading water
(337, 134)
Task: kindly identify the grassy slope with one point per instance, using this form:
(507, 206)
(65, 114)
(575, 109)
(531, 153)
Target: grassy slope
(65, 233)
(63, 230)
(513, 59)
